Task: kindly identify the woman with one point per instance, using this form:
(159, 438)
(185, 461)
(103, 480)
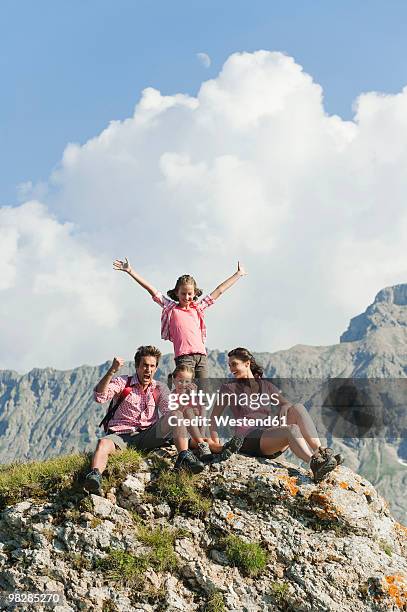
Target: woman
(294, 427)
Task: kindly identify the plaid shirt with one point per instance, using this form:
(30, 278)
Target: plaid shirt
(138, 410)
(168, 305)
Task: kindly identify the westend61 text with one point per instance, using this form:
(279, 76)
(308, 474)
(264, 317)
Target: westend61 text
(226, 421)
(209, 400)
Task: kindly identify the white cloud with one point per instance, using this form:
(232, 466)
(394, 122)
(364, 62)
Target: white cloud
(251, 169)
(204, 59)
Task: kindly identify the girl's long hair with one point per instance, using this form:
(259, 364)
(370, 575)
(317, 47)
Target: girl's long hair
(245, 355)
(185, 279)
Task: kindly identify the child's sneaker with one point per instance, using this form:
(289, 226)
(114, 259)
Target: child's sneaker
(186, 460)
(202, 450)
(93, 482)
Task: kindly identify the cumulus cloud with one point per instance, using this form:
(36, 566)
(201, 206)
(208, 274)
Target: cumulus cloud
(252, 168)
(204, 59)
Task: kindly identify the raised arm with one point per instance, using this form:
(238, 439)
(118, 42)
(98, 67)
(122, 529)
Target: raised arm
(228, 282)
(124, 266)
(104, 382)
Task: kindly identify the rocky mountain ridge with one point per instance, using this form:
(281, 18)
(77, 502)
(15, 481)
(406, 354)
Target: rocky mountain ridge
(48, 412)
(248, 535)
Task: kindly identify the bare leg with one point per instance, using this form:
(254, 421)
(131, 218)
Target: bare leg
(179, 431)
(299, 415)
(279, 438)
(193, 429)
(104, 448)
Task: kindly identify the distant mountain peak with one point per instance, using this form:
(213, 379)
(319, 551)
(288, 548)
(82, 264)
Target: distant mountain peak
(389, 309)
(397, 294)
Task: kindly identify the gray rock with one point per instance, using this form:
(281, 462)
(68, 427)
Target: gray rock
(329, 548)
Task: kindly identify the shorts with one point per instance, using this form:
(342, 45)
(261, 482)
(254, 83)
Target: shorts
(251, 445)
(197, 361)
(144, 439)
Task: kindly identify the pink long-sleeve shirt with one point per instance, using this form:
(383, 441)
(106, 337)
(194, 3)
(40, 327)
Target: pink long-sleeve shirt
(138, 410)
(185, 327)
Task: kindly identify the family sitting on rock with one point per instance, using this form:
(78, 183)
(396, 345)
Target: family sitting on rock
(140, 417)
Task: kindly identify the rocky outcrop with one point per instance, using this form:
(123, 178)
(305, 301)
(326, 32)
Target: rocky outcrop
(332, 547)
(388, 310)
(47, 412)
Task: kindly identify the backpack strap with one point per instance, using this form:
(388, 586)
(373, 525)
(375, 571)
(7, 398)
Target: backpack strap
(114, 404)
(156, 395)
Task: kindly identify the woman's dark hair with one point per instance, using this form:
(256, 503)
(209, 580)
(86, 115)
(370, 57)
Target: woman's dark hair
(245, 355)
(146, 351)
(180, 368)
(185, 279)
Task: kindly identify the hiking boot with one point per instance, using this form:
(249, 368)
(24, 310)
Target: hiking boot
(339, 459)
(322, 462)
(230, 447)
(186, 460)
(93, 482)
(202, 450)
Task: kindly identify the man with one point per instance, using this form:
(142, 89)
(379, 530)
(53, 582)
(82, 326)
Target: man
(140, 419)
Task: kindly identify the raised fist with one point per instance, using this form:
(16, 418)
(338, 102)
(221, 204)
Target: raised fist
(117, 363)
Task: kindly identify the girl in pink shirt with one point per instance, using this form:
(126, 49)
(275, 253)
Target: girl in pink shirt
(182, 318)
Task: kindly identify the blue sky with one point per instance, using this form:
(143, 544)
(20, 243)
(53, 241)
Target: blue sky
(69, 67)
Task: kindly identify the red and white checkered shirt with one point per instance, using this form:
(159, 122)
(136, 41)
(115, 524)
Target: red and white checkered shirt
(168, 305)
(138, 410)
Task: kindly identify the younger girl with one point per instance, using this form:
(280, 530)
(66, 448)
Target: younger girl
(182, 380)
(203, 447)
(182, 318)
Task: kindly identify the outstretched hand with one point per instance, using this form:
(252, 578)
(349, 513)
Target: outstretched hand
(241, 270)
(122, 266)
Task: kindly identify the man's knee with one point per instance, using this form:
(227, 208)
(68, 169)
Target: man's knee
(106, 446)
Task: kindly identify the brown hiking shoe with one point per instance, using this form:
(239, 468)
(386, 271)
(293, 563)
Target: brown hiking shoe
(322, 462)
(339, 459)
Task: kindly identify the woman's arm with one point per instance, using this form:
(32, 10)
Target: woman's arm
(228, 282)
(124, 266)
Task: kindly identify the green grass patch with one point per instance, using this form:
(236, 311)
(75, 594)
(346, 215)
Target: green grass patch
(279, 591)
(215, 603)
(250, 557)
(64, 474)
(38, 479)
(386, 547)
(127, 568)
(119, 465)
(181, 492)
(121, 566)
(77, 561)
(161, 541)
